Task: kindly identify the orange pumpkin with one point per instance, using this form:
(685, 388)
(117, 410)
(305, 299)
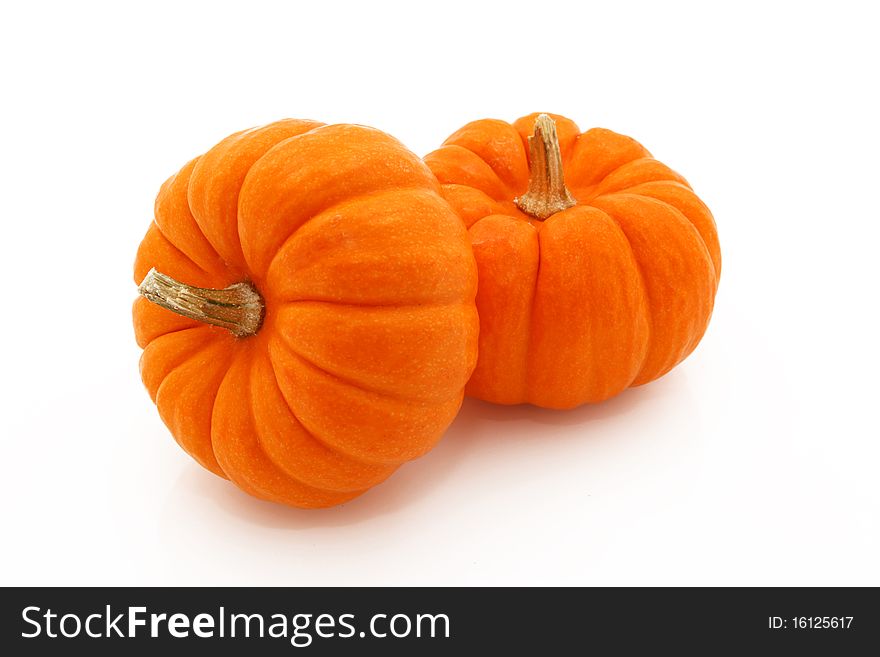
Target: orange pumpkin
(307, 312)
(598, 265)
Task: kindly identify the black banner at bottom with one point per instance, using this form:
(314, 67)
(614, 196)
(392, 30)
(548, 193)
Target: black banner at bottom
(438, 621)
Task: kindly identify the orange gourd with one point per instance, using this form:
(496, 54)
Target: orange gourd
(307, 314)
(598, 265)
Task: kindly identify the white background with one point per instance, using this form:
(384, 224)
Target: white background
(754, 462)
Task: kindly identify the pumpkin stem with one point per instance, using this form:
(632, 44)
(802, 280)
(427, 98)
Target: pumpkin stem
(238, 307)
(547, 192)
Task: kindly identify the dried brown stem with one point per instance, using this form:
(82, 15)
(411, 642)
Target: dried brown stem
(238, 307)
(547, 192)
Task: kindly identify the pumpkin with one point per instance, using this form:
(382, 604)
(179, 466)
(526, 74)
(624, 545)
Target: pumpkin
(598, 265)
(307, 310)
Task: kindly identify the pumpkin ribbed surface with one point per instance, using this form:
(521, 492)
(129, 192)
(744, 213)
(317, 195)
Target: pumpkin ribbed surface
(608, 293)
(369, 328)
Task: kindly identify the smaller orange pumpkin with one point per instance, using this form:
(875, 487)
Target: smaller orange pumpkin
(307, 312)
(598, 265)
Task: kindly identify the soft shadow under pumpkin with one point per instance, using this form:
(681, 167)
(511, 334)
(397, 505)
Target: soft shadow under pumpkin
(478, 423)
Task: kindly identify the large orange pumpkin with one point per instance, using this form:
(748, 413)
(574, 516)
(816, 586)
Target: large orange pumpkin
(598, 265)
(307, 312)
